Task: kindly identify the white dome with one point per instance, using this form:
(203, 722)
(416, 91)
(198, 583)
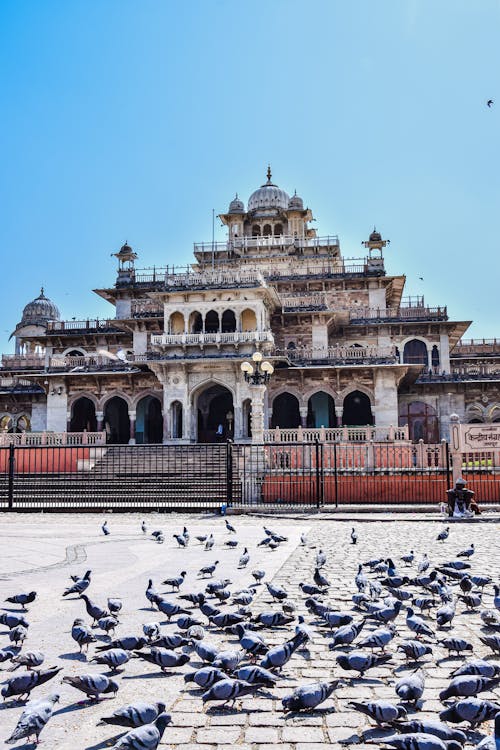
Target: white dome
(268, 195)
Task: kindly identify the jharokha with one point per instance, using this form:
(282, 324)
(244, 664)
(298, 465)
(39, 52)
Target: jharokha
(349, 351)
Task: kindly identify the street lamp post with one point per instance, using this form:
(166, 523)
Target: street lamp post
(257, 374)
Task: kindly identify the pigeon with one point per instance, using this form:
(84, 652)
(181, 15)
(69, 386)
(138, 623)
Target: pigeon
(81, 633)
(22, 599)
(208, 570)
(181, 541)
(423, 602)
(201, 538)
(231, 543)
(423, 564)
(387, 614)
(473, 710)
(168, 608)
(443, 535)
(310, 590)
(172, 641)
(256, 675)
(414, 650)
(205, 651)
(145, 737)
(361, 580)
(127, 642)
(346, 634)
(163, 658)
(492, 742)
(354, 536)
(228, 660)
(467, 552)
(303, 539)
(105, 529)
(445, 615)
(228, 690)
(107, 624)
(28, 681)
(28, 659)
(496, 600)
(335, 619)
(468, 686)
(279, 655)
(12, 620)
(417, 741)
(8, 652)
(244, 559)
(186, 622)
(490, 103)
(272, 619)
(151, 630)
(382, 712)
(320, 559)
(479, 667)
(33, 719)
(490, 618)
(378, 638)
(309, 696)
(320, 580)
(80, 585)
(176, 582)
(277, 592)
(93, 610)
(456, 644)
(408, 559)
(151, 593)
(114, 605)
(250, 641)
(18, 634)
(156, 534)
(206, 676)
(144, 527)
(229, 527)
(134, 715)
(361, 661)
(113, 658)
(92, 684)
(209, 543)
(417, 625)
(411, 687)
(431, 726)
(225, 620)
(185, 534)
(471, 601)
(193, 598)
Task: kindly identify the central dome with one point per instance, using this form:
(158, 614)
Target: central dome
(268, 195)
(39, 311)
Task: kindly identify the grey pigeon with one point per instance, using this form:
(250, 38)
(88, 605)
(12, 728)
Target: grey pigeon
(163, 658)
(151, 630)
(81, 633)
(346, 634)
(414, 650)
(104, 529)
(417, 741)
(176, 581)
(431, 726)
(113, 658)
(228, 660)
(277, 592)
(151, 593)
(279, 655)
(134, 714)
(28, 659)
(443, 535)
(478, 666)
(361, 661)
(206, 676)
(410, 688)
(468, 686)
(320, 580)
(107, 624)
(23, 599)
(208, 570)
(28, 681)
(229, 527)
(33, 719)
(209, 543)
(18, 634)
(206, 651)
(114, 605)
(354, 536)
(244, 559)
(417, 624)
(128, 642)
(171, 641)
(12, 621)
(473, 710)
(80, 585)
(467, 552)
(8, 652)
(93, 610)
(492, 742)
(445, 615)
(309, 696)
(92, 684)
(378, 638)
(181, 541)
(456, 644)
(228, 690)
(258, 575)
(320, 559)
(146, 737)
(382, 712)
(273, 619)
(256, 675)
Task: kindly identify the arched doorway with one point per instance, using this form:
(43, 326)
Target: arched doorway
(246, 409)
(228, 321)
(286, 412)
(321, 410)
(415, 353)
(422, 421)
(83, 418)
(212, 322)
(149, 421)
(116, 421)
(176, 419)
(215, 410)
(357, 410)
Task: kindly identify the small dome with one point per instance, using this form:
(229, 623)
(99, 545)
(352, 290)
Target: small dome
(236, 206)
(375, 236)
(296, 202)
(268, 195)
(125, 250)
(39, 311)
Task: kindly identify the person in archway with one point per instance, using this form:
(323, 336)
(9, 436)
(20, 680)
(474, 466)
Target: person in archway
(461, 500)
(219, 434)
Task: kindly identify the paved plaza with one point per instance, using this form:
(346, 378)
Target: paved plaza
(40, 552)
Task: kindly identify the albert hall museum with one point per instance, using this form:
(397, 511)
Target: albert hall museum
(344, 352)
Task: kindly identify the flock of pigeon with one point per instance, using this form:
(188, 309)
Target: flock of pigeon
(429, 598)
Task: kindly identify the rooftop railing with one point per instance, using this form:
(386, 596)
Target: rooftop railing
(402, 313)
(341, 355)
(91, 325)
(23, 361)
(467, 347)
(244, 243)
(460, 373)
(203, 339)
(316, 301)
(146, 308)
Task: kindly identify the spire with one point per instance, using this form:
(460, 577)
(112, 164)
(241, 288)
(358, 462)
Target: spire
(269, 174)
(42, 290)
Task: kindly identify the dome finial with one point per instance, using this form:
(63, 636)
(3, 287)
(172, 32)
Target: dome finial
(42, 290)
(269, 174)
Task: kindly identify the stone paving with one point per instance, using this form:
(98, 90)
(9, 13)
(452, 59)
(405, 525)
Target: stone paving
(39, 552)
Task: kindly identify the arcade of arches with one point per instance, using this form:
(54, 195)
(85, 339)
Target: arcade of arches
(356, 411)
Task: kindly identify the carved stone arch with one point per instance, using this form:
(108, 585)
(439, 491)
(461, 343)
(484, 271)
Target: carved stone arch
(494, 413)
(287, 389)
(69, 349)
(104, 400)
(401, 344)
(475, 412)
(148, 392)
(200, 387)
(317, 388)
(355, 386)
(83, 394)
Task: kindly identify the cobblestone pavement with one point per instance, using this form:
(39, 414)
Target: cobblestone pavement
(40, 552)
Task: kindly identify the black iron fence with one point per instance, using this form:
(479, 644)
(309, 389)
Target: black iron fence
(199, 477)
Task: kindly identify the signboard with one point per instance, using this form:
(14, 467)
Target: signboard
(480, 437)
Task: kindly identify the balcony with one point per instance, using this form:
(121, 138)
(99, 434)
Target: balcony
(463, 373)
(94, 363)
(146, 308)
(341, 356)
(23, 361)
(477, 348)
(78, 327)
(240, 244)
(19, 386)
(403, 314)
(210, 339)
(303, 302)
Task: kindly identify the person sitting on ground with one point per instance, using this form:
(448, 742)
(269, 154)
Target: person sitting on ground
(461, 500)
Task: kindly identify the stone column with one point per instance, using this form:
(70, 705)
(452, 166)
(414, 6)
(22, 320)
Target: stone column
(99, 415)
(444, 353)
(238, 422)
(455, 447)
(257, 417)
(131, 416)
(303, 415)
(386, 398)
(339, 411)
(68, 421)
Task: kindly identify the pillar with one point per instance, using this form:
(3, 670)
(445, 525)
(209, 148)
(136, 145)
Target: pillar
(303, 416)
(386, 398)
(339, 411)
(99, 415)
(131, 416)
(444, 353)
(258, 392)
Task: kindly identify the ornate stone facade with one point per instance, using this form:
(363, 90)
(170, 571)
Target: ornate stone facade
(346, 346)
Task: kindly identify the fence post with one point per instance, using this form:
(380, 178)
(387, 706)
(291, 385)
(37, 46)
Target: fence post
(335, 475)
(229, 472)
(447, 455)
(12, 466)
(318, 475)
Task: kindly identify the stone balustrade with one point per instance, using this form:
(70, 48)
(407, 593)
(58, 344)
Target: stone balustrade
(342, 355)
(316, 301)
(35, 439)
(404, 313)
(219, 338)
(361, 434)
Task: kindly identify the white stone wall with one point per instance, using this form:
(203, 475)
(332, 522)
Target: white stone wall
(38, 416)
(57, 408)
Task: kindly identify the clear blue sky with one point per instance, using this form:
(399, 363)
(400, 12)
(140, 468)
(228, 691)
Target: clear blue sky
(131, 120)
